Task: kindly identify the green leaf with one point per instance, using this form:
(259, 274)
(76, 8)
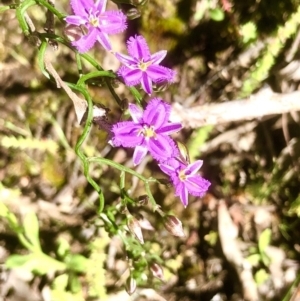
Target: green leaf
(197, 140)
(254, 259)
(15, 261)
(261, 276)
(217, 14)
(60, 282)
(10, 217)
(3, 210)
(38, 263)
(63, 248)
(77, 263)
(248, 32)
(31, 229)
(263, 243)
(75, 285)
(264, 240)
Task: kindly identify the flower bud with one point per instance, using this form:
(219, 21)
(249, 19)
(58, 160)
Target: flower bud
(130, 285)
(73, 32)
(133, 13)
(157, 271)
(173, 225)
(138, 2)
(184, 152)
(124, 104)
(135, 228)
(143, 200)
(115, 83)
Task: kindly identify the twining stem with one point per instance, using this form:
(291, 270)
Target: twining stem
(122, 168)
(80, 86)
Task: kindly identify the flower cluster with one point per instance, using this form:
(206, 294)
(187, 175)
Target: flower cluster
(142, 67)
(150, 129)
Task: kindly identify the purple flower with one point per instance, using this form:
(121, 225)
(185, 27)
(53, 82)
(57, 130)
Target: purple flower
(97, 23)
(185, 179)
(148, 131)
(142, 67)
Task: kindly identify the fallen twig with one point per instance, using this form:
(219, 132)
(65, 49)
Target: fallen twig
(264, 103)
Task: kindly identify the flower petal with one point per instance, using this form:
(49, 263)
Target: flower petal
(136, 113)
(113, 22)
(146, 83)
(139, 154)
(162, 148)
(126, 60)
(167, 169)
(160, 73)
(104, 40)
(76, 20)
(193, 168)
(126, 133)
(197, 185)
(182, 192)
(157, 57)
(157, 113)
(137, 47)
(86, 42)
(82, 7)
(169, 128)
(131, 77)
(101, 5)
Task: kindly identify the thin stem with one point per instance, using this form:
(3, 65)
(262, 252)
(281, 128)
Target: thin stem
(20, 12)
(26, 244)
(122, 168)
(52, 9)
(90, 75)
(4, 8)
(81, 155)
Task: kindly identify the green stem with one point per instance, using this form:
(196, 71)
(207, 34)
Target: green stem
(122, 168)
(4, 8)
(80, 153)
(28, 245)
(94, 74)
(20, 11)
(51, 8)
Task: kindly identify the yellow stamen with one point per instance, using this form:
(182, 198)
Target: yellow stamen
(144, 65)
(94, 21)
(148, 132)
(182, 175)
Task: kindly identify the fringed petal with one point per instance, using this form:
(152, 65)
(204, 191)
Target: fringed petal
(196, 185)
(127, 60)
(104, 40)
(82, 7)
(160, 73)
(170, 128)
(85, 43)
(101, 5)
(137, 47)
(162, 148)
(193, 168)
(157, 113)
(167, 169)
(112, 22)
(75, 20)
(127, 134)
(146, 83)
(131, 77)
(157, 57)
(182, 192)
(139, 154)
(136, 113)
